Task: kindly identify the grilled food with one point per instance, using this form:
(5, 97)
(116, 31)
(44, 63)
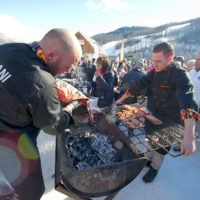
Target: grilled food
(135, 115)
(153, 119)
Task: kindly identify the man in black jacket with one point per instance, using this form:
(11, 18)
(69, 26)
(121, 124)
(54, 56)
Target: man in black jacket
(90, 69)
(129, 79)
(29, 102)
(174, 99)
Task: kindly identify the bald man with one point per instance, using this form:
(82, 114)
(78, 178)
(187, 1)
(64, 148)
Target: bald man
(28, 103)
(61, 49)
(191, 64)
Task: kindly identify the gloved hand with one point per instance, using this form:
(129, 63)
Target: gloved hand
(71, 106)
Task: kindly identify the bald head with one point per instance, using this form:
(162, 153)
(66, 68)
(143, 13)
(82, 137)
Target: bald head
(191, 64)
(61, 49)
(60, 39)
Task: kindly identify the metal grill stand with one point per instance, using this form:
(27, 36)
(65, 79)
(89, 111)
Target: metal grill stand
(106, 180)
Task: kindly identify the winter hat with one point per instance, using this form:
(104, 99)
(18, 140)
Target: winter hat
(139, 65)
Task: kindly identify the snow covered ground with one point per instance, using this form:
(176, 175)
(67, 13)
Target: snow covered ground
(178, 178)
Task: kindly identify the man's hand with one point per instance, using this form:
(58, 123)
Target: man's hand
(69, 108)
(188, 146)
(97, 73)
(119, 101)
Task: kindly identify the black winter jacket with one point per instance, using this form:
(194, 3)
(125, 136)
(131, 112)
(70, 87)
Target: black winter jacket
(130, 79)
(104, 89)
(28, 99)
(90, 70)
(172, 90)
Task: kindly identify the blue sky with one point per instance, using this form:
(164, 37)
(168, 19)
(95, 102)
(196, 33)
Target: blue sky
(33, 18)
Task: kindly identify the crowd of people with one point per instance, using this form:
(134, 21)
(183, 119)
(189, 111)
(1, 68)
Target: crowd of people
(29, 100)
(125, 73)
(109, 80)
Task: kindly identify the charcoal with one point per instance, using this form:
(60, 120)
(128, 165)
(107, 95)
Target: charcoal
(89, 149)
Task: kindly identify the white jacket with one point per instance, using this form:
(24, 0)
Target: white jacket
(195, 76)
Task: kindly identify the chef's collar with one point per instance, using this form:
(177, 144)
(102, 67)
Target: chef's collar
(168, 67)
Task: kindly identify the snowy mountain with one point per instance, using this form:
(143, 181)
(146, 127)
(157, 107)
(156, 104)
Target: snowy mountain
(184, 36)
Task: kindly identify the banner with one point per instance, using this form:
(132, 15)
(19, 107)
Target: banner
(122, 51)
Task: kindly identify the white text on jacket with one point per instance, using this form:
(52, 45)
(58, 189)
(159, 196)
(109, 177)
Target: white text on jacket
(4, 76)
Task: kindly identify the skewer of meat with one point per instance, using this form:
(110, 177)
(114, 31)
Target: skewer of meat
(153, 119)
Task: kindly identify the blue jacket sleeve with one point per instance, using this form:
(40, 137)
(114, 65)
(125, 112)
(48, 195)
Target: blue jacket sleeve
(141, 84)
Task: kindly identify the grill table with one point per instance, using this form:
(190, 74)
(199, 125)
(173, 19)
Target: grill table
(106, 180)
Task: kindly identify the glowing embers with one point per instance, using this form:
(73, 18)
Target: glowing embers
(89, 149)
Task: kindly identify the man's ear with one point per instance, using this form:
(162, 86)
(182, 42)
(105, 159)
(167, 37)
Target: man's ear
(169, 57)
(51, 56)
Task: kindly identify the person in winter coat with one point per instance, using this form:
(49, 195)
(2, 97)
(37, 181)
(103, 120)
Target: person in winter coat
(121, 71)
(195, 76)
(89, 71)
(129, 79)
(29, 102)
(174, 99)
(103, 82)
(114, 66)
(191, 65)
